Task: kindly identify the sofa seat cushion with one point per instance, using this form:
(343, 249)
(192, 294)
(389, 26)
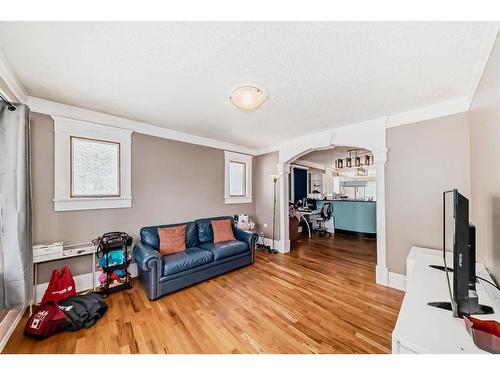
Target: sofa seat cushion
(190, 258)
(226, 249)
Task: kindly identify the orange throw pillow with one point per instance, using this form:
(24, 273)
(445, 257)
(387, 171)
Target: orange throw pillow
(223, 230)
(172, 239)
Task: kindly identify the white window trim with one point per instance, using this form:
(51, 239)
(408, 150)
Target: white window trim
(64, 128)
(239, 158)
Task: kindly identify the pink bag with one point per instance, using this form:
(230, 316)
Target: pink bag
(61, 286)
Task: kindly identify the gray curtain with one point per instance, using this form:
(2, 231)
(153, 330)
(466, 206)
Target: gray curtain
(16, 255)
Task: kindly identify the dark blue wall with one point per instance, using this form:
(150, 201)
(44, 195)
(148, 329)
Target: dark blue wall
(299, 183)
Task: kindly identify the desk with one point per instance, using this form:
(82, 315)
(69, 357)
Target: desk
(425, 329)
(305, 215)
(69, 252)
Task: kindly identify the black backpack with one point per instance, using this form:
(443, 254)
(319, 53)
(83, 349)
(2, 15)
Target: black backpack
(75, 311)
(83, 310)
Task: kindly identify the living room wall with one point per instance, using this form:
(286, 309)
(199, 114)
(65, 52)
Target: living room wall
(424, 159)
(484, 118)
(172, 182)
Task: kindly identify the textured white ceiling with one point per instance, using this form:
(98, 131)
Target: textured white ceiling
(179, 75)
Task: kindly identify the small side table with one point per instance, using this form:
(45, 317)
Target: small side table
(68, 252)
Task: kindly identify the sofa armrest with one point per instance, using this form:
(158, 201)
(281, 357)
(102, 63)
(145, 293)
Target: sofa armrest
(147, 258)
(250, 238)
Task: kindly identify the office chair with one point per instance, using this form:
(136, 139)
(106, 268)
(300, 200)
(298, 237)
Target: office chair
(311, 203)
(322, 218)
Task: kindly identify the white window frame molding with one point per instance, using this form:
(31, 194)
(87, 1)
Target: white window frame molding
(238, 158)
(64, 129)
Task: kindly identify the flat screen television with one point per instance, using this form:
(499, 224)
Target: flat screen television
(464, 299)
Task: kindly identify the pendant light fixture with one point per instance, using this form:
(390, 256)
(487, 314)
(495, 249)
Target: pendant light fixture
(354, 160)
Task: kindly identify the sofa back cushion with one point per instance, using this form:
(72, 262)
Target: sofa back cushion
(223, 231)
(172, 239)
(150, 237)
(205, 231)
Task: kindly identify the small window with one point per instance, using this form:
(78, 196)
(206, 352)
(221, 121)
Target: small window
(237, 178)
(95, 168)
(92, 165)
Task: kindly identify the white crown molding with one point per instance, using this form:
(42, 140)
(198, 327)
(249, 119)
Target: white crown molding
(447, 108)
(480, 64)
(268, 149)
(71, 112)
(12, 82)
(310, 164)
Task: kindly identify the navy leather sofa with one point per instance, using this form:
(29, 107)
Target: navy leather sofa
(202, 259)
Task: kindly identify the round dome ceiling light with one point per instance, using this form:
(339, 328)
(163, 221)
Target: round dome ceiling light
(247, 97)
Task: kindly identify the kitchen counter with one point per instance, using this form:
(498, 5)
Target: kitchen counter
(353, 215)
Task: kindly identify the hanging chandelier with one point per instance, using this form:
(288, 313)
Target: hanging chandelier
(353, 159)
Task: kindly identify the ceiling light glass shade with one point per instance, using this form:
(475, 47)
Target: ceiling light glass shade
(247, 97)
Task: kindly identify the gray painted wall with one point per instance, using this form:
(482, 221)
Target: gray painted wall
(484, 119)
(265, 165)
(424, 159)
(171, 182)
(417, 173)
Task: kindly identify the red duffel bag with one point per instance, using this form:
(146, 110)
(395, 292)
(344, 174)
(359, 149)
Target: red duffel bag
(46, 321)
(61, 286)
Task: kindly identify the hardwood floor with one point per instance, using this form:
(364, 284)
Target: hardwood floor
(319, 298)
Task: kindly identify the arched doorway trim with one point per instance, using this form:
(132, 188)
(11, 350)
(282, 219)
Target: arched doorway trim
(370, 135)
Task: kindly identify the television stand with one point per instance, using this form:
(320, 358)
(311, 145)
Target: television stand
(421, 328)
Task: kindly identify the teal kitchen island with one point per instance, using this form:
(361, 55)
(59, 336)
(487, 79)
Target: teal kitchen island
(354, 216)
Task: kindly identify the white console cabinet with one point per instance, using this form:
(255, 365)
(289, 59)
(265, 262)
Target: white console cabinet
(421, 328)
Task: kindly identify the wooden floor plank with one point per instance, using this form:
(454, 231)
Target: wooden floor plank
(319, 298)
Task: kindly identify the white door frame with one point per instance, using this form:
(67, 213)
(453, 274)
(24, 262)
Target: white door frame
(370, 135)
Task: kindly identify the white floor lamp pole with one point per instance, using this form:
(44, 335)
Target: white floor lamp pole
(275, 178)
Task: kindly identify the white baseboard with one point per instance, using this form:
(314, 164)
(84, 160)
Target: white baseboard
(8, 325)
(281, 246)
(82, 282)
(397, 281)
(382, 275)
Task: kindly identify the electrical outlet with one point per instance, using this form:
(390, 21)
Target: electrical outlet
(265, 225)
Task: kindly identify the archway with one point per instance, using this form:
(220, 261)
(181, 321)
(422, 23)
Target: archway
(369, 135)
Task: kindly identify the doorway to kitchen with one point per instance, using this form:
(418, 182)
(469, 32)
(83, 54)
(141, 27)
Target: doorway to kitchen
(332, 202)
